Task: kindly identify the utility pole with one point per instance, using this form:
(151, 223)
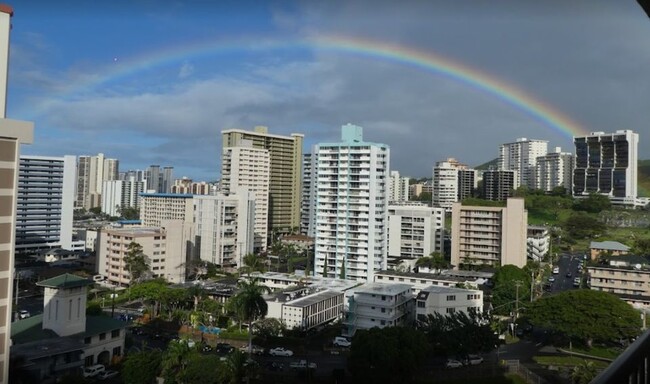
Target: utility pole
(517, 285)
(532, 283)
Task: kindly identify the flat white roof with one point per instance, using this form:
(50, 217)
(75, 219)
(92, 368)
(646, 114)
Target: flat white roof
(383, 288)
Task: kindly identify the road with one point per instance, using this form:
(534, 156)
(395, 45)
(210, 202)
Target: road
(567, 263)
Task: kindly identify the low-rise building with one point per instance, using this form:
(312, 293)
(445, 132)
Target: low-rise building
(447, 300)
(613, 248)
(378, 305)
(279, 280)
(625, 276)
(63, 339)
(305, 308)
(446, 278)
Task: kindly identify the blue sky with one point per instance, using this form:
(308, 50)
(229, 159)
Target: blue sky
(155, 82)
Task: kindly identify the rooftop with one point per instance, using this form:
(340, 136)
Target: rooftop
(383, 288)
(47, 347)
(31, 328)
(308, 300)
(609, 245)
(65, 281)
(176, 195)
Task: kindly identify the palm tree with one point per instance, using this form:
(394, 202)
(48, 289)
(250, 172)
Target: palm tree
(175, 359)
(235, 368)
(249, 305)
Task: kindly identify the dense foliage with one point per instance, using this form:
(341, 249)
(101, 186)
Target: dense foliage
(387, 355)
(586, 316)
(504, 295)
(459, 334)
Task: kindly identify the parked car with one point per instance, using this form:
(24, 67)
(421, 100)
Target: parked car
(453, 364)
(551, 279)
(279, 351)
(340, 341)
(23, 314)
(556, 270)
(207, 348)
(93, 370)
(576, 282)
(273, 366)
(302, 364)
(255, 349)
(568, 274)
(474, 359)
(107, 375)
(224, 348)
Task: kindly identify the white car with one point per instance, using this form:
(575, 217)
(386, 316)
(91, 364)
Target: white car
(279, 351)
(551, 279)
(23, 314)
(474, 359)
(556, 270)
(453, 364)
(341, 342)
(107, 375)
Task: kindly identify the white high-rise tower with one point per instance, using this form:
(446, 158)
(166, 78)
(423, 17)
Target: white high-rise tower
(351, 206)
(521, 156)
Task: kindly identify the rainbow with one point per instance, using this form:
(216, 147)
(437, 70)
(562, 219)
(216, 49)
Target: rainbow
(426, 61)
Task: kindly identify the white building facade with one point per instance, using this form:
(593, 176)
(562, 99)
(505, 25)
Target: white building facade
(555, 169)
(307, 206)
(92, 171)
(156, 207)
(224, 226)
(398, 187)
(45, 203)
(521, 156)
(446, 301)
(538, 242)
(415, 230)
(378, 305)
(118, 194)
(247, 167)
(351, 207)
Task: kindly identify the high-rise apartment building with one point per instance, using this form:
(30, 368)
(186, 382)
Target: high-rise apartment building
(245, 166)
(555, 169)
(159, 181)
(45, 204)
(414, 230)
(489, 235)
(498, 185)
(452, 181)
(188, 186)
(521, 156)
(351, 206)
(224, 227)
(398, 187)
(12, 134)
(285, 153)
(607, 163)
(92, 171)
(118, 194)
(155, 208)
(307, 207)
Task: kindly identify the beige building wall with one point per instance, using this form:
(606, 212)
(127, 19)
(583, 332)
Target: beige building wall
(286, 160)
(489, 235)
(113, 247)
(620, 280)
(156, 207)
(12, 134)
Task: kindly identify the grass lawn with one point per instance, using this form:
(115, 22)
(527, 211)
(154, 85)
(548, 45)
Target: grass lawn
(566, 361)
(608, 353)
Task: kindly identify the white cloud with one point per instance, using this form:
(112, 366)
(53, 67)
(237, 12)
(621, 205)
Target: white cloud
(186, 70)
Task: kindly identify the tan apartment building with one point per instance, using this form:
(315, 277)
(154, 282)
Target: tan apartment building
(114, 246)
(489, 235)
(612, 248)
(12, 134)
(244, 166)
(626, 276)
(285, 180)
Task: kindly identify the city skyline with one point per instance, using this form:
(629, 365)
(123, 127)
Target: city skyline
(151, 84)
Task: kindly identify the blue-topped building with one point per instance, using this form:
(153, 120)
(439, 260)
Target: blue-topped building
(351, 208)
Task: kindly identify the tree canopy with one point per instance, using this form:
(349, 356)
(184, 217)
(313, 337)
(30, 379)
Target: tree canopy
(137, 263)
(141, 367)
(387, 355)
(504, 293)
(459, 333)
(586, 316)
(595, 203)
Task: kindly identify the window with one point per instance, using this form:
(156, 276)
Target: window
(102, 336)
(451, 298)
(87, 340)
(421, 304)
(117, 351)
(115, 333)
(451, 310)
